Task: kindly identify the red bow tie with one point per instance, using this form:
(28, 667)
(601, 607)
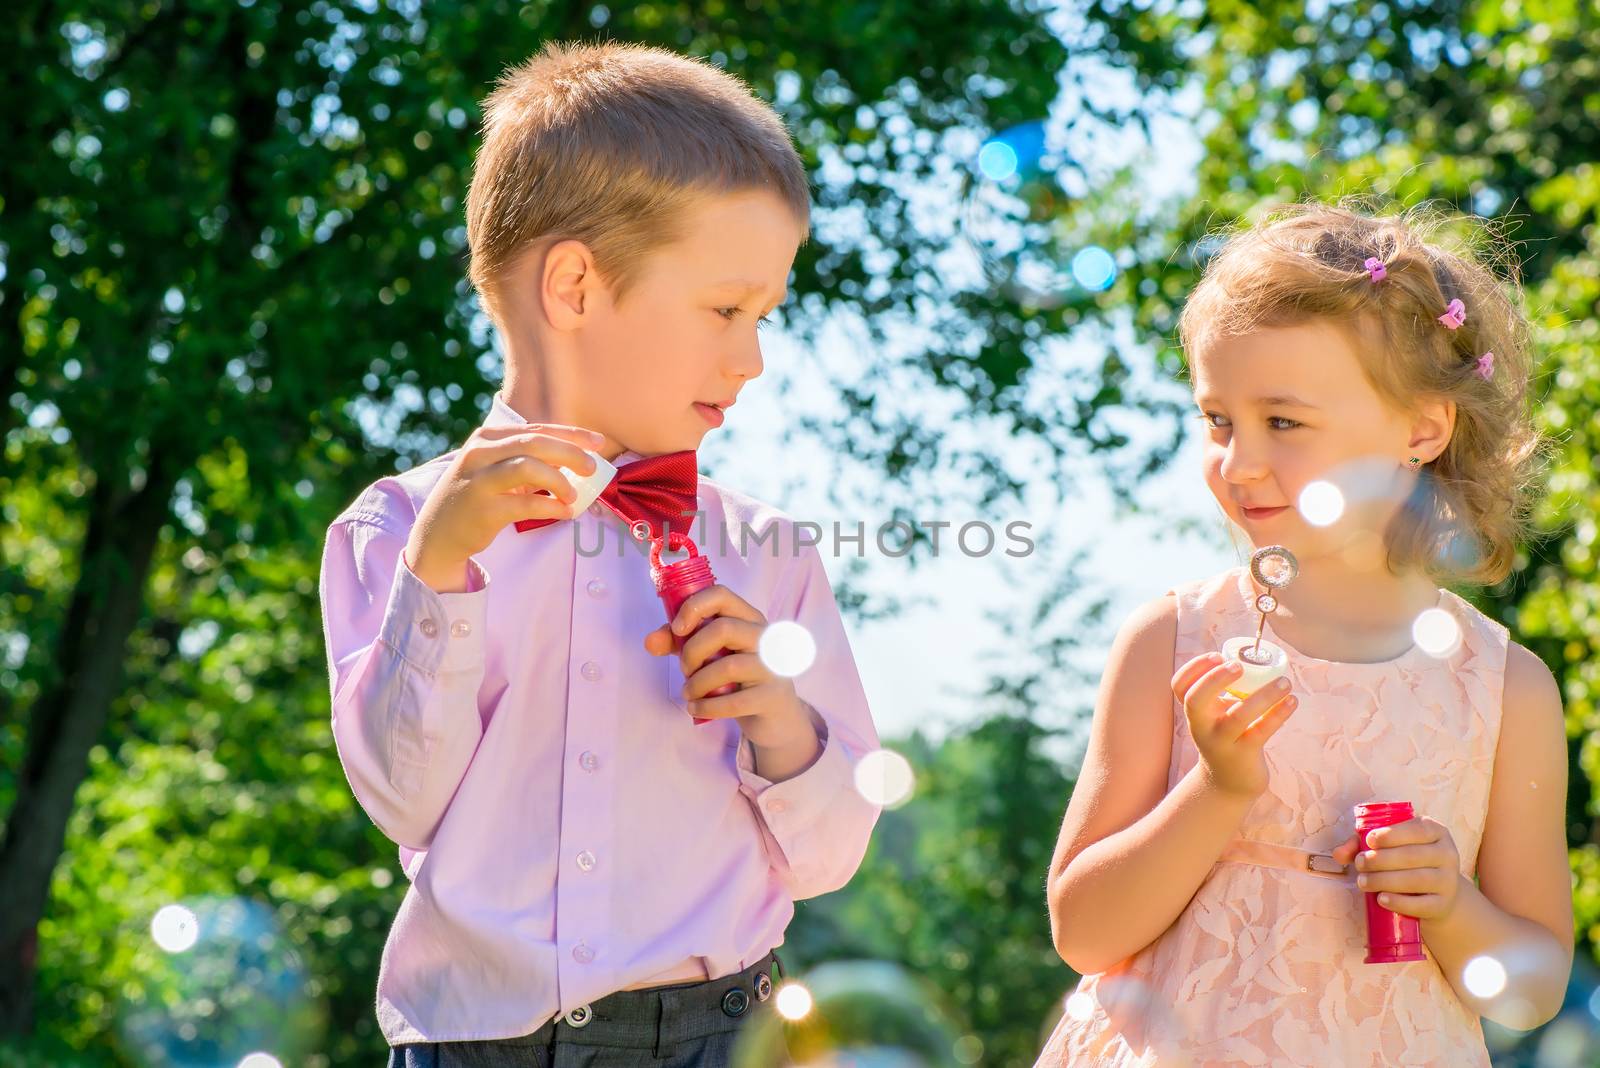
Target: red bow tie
(660, 489)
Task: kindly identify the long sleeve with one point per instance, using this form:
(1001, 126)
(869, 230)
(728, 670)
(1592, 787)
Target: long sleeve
(405, 664)
(816, 825)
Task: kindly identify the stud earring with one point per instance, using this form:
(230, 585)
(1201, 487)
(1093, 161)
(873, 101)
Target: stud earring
(1415, 460)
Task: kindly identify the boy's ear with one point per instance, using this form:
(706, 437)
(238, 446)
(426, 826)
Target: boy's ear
(565, 283)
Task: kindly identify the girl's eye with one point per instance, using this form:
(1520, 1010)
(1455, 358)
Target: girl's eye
(1276, 422)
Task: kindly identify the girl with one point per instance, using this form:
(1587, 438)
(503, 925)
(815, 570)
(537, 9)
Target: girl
(1207, 882)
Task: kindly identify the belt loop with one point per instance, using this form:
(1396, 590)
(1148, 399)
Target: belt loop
(661, 1019)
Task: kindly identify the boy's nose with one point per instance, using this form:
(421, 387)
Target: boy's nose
(746, 362)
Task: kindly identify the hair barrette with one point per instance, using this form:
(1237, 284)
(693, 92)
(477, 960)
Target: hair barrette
(1455, 313)
(1376, 269)
(1486, 366)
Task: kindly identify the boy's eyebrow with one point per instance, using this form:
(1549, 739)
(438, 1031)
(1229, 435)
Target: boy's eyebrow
(745, 287)
(1281, 400)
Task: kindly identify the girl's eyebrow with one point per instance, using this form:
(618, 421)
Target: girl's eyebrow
(1282, 400)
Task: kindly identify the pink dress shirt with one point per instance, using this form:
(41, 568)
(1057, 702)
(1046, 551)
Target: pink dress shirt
(568, 831)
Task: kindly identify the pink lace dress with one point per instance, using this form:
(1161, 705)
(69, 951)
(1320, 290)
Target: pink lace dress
(1264, 966)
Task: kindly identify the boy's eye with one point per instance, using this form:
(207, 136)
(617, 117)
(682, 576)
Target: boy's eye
(732, 313)
(1276, 422)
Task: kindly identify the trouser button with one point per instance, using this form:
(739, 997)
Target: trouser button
(763, 986)
(580, 1016)
(735, 1002)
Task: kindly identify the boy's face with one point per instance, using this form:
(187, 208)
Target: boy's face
(1261, 448)
(650, 372)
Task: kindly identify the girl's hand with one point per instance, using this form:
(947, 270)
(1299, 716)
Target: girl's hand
(1413, 867)
(1230, 733)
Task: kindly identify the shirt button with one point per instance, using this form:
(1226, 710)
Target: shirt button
(460, 628)
(428, 627)
(588, 761)
(586, 861)
(582, 954)
(777, 804)
(591, 671)
(597, 588)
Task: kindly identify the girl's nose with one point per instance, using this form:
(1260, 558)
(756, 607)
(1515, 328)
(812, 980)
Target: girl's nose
(1241, 465)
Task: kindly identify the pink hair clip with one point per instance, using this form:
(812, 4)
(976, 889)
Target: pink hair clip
(1455, 313)
(1376, 268)
(1486, 366)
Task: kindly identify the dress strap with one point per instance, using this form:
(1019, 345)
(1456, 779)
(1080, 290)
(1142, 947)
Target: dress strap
(1272, 855)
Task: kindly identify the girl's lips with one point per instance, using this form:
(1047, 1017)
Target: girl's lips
(1264, 513)
(712, 415)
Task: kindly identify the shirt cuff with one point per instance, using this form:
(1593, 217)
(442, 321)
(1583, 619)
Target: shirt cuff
(796, 803)
(433, 631)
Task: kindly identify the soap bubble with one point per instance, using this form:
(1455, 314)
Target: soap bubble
(1484, 977)
(219, 986)
(787, 649)
(1126, 1001)
(175, 928)
(885, 778)
(1321, 503)
(1571, 1040)
(1016, 150)
(863, 1014)
(1094, 268)
(794, 1001)
(1436, 632)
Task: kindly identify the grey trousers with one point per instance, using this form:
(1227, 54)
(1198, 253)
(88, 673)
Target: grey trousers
(690, 1025)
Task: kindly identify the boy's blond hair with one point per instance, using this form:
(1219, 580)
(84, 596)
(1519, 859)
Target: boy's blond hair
(609, 144)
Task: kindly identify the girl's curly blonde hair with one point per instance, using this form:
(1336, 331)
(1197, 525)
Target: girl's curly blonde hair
(1309, 261)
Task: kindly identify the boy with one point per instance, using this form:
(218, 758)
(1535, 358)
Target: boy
(589, 867)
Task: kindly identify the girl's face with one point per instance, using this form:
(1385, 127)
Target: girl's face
(1286, 406)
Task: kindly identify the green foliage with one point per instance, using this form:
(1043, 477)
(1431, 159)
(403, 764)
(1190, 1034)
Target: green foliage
(953, 887)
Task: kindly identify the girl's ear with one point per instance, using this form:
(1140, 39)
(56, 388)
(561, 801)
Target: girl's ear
(1432, 422)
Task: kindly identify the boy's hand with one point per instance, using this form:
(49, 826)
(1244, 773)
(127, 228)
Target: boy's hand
(769, 712)
(493, 481)
(1413, 867)
(1230, 733)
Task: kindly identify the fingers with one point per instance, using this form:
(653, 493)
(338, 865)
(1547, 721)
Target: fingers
(551, 450)
(1420, 906)
(1263, 706)
(746, 669)
(659, 641)
(715, 600)
(1201, 698)
(1345, 853)
(1190, 673)
(588, 439)
(1409, 881)
(1411, 832)
(747, 701)
(723, 632)
(1267, 724)
(514, 507)
(1400, 858)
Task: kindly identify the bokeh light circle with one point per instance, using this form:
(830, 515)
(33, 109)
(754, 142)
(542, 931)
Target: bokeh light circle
(1321, 503)
(885, 778)
(1436, 632)
(787, 649)
(1094, 269)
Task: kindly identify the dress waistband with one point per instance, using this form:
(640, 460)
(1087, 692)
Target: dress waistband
(1273, 855)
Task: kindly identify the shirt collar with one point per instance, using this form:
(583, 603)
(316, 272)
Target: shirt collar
(502, 414)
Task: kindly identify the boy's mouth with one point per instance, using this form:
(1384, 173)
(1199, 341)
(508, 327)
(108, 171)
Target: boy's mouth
(711, 412)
